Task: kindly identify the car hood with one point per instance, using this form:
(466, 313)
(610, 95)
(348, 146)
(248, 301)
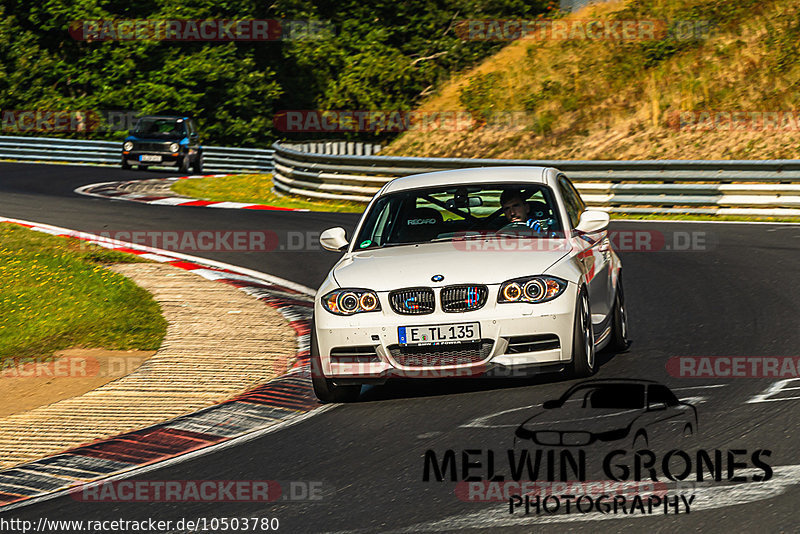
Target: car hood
(150, 138)
(584, 420)
(459, 262)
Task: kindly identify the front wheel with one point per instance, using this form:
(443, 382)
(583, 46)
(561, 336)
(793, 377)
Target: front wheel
(125, 165)
(583, 360)
(324, 388)
(197, 168)
(183, 166)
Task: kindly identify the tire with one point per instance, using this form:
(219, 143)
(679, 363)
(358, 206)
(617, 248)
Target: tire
(183, 166)
(324, 388)
(197, 167)
(619, 328)
(125, 165)
(142, 167)
(584, 362)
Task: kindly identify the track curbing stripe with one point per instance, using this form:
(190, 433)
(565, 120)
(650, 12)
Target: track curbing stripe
(110, 190)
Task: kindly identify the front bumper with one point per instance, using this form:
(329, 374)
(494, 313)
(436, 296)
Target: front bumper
(169, 158)
(366, 345)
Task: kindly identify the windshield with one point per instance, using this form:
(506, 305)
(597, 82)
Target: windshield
(160, 127)
(460, 212)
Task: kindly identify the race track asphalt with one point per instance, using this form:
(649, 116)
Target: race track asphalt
(735, 293)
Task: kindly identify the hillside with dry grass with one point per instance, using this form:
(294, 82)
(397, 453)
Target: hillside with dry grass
(721, 82)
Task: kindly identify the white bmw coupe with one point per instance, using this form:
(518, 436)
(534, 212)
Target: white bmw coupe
(476, 272)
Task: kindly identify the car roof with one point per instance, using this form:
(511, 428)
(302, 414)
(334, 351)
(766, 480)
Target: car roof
(476, 175)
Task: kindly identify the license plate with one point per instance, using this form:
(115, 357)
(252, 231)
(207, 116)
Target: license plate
(150, 157)
(444, 333)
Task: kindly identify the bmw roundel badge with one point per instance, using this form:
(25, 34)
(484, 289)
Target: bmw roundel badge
(437, 278)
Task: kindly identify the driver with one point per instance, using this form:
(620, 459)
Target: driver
(517, 210)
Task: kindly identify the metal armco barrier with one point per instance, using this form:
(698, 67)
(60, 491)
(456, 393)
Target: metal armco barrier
(723, 187)
(224, 159)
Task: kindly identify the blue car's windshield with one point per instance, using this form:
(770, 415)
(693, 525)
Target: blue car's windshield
(459, 212)
(160, 127)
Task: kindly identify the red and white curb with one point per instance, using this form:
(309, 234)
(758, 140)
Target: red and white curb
(284, 400)
(115, 191)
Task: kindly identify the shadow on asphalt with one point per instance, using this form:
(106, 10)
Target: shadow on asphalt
(399, 388)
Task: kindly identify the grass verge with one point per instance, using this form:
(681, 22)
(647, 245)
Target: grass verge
(256, 188)
(57, 294)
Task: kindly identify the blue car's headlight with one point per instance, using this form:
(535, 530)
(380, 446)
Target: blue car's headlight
(532, 289)
(351, 301)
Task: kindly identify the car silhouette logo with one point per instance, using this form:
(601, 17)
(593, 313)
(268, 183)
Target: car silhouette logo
(635, 411)
(437, 278)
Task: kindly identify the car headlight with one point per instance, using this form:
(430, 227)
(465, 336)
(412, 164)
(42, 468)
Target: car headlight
(532, 289)
(127, 146)
(174, 147)
(351, 301)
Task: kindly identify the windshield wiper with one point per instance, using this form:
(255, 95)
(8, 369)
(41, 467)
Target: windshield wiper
(400, 244)
(518, 235)
(461, 237)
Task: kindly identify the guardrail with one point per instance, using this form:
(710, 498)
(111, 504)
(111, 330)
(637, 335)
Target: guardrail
(222, 159)
(723, 187)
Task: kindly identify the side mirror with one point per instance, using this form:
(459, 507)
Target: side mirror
(593, 221)
(550, 404)
(656, 406)
(333, 239)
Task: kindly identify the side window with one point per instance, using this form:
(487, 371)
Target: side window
(381, 219)
(661, 393)
(572, 200)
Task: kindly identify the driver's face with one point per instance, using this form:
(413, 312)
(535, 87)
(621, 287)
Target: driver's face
(516, 210)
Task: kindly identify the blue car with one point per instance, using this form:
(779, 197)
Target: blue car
(163, 140)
